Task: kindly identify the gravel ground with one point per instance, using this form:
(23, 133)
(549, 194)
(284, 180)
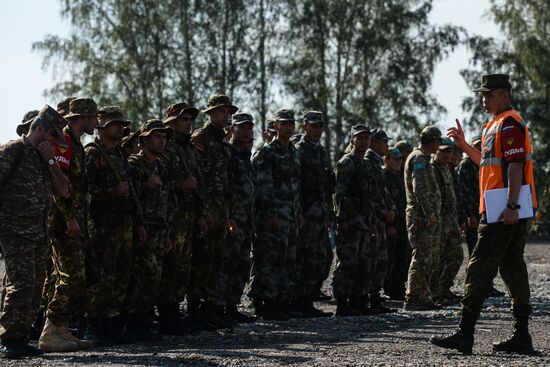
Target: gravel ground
(392, 340)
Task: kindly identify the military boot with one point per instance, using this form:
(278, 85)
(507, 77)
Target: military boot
(139, 328)
(113, 328)
(208, 313)
(82, 344)
(520, 342)
(52, 341)
(343, 308)
(232, 311)
(170, 322)
(94, 333)
(220, 313)
(462, 339)
(195, 318)
(376, 306)
(359, 306)
(272, 311)
(15, 349)
(309, 310)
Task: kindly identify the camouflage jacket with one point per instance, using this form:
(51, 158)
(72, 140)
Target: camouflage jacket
(468, 176)
(461, 211)
(72, 160)
(181, 163)
(277, 185)
(422, 190)
(155, 203)
(25, 189)
(353, 192)
(445, 183)
(396, 188)
(316, 180)
(382, 198)
(243, 185)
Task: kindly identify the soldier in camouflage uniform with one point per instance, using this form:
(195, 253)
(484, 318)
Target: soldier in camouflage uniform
(236, 269)
(278, 218)
(355, 225)
(153, 193)
(398, 243)
(114, 213)
(384, 214)
(68, 232)
(448, 247)
(24, 126)
(209, 251)
(28, 172)
(316, 197)
(184, 176)
(422, 213)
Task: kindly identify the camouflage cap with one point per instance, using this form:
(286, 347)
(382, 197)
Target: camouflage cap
(446, 144)
(395, 153)
(430, 133)
(51, 116)
(284, 114)
(359, 129)
(63, 106)
(269, 126)
(241, 118)
(403, 146)
(379, 134)
(220, 100)
(177, 109)
(314, 117)
(108, 114)
(82, 107)
(147, 127)
(128, 140)
(494, 81)
(26, 122)
(476, 139)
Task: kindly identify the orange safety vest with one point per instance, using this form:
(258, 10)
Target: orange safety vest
(493, 170)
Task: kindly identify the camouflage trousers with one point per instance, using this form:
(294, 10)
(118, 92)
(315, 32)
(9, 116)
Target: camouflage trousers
(379, 268)
(208, 257)
(111, 240)
(274, 256)
(354, 265)
(312, 251)
(399, 255)
(68, 257)
(451, 256)
(176, 268)
(422, 241)
(499, 247)
(146, 272)
(25, 262)
(236, 269)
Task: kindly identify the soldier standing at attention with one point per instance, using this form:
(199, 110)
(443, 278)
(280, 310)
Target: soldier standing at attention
(422, 213)
(278, 218)
(505, 161)
(28, 172)
(316, 197)
(209, 251)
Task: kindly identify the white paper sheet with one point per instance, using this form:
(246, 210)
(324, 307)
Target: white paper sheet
(496, 200)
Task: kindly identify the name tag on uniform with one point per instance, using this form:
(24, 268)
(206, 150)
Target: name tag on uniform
(496, 200)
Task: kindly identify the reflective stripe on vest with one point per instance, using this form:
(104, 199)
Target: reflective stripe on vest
(492, 174)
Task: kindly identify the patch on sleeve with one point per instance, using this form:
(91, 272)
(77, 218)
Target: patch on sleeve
(417, 166)
(64, 154)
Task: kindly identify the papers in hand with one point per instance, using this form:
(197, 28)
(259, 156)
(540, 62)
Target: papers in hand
(496, 200)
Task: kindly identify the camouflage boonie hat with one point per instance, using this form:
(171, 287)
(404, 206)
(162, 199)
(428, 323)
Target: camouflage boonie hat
(63, 106)
(108, 114)
(359, 129)
(493, 81)
(129, 139)
(403, 146)
(431, 133)
(476, 139)
(284, 114)
(154, 125)
(220, 100)
(269, 126)
(177, 109)
(54, 118)
(314, 117)
(82, 107)
(26, 122)
(395, 153)
(379, 134)
(241, 118)
(446, 144)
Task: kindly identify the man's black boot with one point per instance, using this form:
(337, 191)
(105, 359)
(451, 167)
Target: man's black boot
(195, 317)
(272, 311)
(113, 328)
(376, 306)
(208, 314)
(169, 320)
(94, 333)
(462, 339)
(220, 313)
(343, 308)
(17, 349)
(520, 342)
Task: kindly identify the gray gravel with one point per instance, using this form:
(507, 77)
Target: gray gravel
(393, 340)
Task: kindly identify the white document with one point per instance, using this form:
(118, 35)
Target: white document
(496, 200)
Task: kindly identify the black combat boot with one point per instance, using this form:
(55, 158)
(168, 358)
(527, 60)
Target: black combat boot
(113, 328)
(15, 349)
(232, 311)
(194, 318)
(94, 333)
(140, 328)
(376, 306)
(170, 322)
(220, 313)
(343, 308)
(521, 341)
(272, 311)
(462, 339)
(208, 313)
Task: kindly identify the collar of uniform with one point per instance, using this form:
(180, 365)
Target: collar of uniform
(102, 145)
(374, 154)
(217, 132)
(182, 139)
(314, 143)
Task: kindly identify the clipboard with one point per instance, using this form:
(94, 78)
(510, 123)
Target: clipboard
(496, 200)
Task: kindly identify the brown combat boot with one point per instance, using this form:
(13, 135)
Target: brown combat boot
(52, 341)
(82, 344)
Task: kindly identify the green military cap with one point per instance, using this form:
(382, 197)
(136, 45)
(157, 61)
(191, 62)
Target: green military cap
(446, 144)
(26, 122)
(147, 127)
(284, 114)
(403, 146)
(314, 117)
(269, 126)
(494, 81)
(476, 139)
(430, 133)
(395, 153)
(379, 134)
(177, 109)
(63, 106)
(241, 118)
(51, 116)
(220, 100)
(82, 107)
(108, 114)
(359, 129)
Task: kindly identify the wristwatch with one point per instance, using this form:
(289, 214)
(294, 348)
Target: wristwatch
(51, 162)
(513, 206)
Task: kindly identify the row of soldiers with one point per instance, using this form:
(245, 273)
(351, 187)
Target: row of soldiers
(165, 214)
